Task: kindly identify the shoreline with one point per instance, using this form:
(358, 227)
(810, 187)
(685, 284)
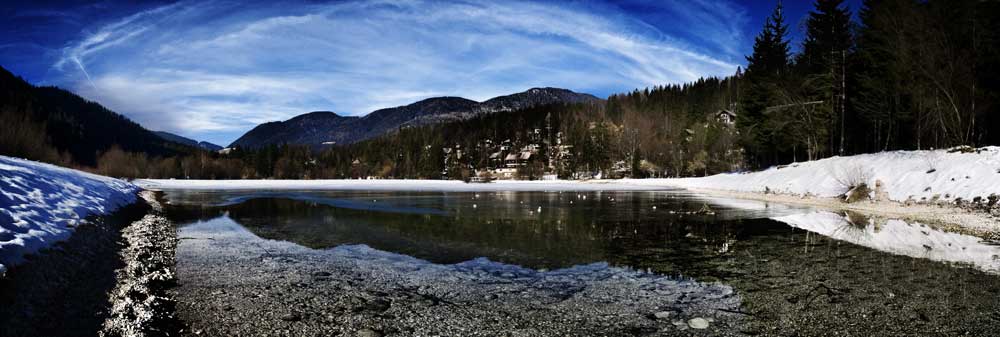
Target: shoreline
(950, 218)
(141, 303)
(70, 281)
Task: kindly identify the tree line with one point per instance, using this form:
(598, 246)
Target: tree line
(908, 75)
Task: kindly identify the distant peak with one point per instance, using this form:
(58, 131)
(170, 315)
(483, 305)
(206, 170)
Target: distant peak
(536, 90)
(315, 115)
(319, 113)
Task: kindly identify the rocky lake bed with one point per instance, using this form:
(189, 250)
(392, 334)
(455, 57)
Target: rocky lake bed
(238, 284)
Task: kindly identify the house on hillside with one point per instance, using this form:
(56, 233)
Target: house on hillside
(726, 117)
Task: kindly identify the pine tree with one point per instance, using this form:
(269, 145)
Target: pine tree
(770, 47)
(827, 35)
(822, 65)
(766, 67)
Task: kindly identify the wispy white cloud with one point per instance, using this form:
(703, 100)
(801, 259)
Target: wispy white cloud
(212, 70)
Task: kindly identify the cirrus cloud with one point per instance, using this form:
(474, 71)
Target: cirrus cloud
(212, 70)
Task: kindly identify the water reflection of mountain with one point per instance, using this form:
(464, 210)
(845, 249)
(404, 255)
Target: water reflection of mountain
(540, 230)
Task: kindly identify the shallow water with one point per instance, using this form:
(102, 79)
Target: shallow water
(798, 271)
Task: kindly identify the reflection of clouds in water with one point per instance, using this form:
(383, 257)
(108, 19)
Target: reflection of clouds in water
(899, 237)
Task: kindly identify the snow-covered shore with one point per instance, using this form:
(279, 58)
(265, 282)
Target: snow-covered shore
(41, 204)
(915, 175)
(920, 175)
(928, 179)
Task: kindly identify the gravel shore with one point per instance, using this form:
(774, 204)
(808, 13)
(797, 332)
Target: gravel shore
(63, 290)
(140, 303)
(235, 283)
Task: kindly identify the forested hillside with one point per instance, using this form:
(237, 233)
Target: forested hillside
(57, 126)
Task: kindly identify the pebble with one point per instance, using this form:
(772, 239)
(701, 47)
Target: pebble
(698, 323)
(378, 305)
(369, 333)
(662, 315)
(291, 317)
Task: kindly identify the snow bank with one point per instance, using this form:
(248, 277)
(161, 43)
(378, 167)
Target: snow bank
(904, 174)
(396, 185)
(41, 204)
(920, 174)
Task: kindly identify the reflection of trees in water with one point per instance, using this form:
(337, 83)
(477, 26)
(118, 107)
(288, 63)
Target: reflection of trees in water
(853, 227)
(530, 229)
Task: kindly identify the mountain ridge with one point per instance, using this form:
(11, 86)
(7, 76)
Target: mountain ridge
(187, 141)
(319, 128)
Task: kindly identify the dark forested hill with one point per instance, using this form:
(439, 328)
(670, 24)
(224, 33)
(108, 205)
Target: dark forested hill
(327, 128)
(44, 123)
(187, 141)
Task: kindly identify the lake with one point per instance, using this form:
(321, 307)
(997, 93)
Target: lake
(791, 270)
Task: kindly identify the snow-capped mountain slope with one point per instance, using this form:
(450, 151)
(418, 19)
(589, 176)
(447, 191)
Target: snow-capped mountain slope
(41, 204)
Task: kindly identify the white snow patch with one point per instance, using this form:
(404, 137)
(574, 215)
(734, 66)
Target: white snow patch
(41, 204)
(920, 174)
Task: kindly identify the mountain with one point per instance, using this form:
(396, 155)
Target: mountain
(56, 120)
(187, 141)
(327, 128)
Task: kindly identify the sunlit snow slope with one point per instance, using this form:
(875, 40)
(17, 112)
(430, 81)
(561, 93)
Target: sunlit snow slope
(41, 204)
(904, 174)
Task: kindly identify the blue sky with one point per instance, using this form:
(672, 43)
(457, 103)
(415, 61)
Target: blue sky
(211, 70)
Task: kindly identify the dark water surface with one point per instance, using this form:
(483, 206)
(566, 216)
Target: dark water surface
(862, 277)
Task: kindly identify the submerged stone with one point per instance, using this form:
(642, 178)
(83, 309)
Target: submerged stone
(698, 323)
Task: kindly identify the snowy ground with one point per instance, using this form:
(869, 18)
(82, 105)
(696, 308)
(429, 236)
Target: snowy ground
(904, 174)
(920, 175)
(41, 204)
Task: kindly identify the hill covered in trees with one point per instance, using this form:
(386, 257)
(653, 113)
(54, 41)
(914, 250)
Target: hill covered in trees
(55, 125)
(187, 141)
(325, 128)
